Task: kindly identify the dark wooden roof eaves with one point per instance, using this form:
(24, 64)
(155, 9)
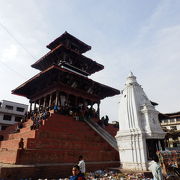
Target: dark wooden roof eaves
(162, 116)
(26, 88)
(61, 48)
(175, 114)
(66, 35)
(28, 81)
(45, 57)
(169, 115)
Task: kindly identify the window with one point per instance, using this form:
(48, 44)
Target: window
(20, 109)
(7, 117)
(166, 121)
(175, 138)
(18, 119)
(172, 120)
(174, 127)
(9, 107)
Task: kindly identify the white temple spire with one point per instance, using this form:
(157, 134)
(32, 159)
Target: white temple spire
(138, 127)
(131, 79)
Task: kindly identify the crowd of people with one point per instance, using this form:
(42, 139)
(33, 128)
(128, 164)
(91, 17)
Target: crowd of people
(37, 117)
(104, 121)
(78, 112)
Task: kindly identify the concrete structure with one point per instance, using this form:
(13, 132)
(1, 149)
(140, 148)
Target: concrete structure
(170, 122)
(11, 113)
(140, 134)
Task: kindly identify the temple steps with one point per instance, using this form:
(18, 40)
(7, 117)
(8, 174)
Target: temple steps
(32, 156)
(28, 123)
(64, 144)
(59, 139)
(103, 133)
(11, 144)
(8, 156)
(24, 135)
(68, 136)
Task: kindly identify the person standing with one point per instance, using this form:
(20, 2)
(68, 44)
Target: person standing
(155, 168)
(76, 174)
(82, 165)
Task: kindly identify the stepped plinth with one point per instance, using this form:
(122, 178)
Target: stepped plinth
(54, 148)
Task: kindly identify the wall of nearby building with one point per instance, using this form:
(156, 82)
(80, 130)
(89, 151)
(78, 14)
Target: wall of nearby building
(11, 113)
(172, 126)
(172, 123)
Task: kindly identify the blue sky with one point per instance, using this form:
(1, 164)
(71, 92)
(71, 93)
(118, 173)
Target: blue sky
(141, 36)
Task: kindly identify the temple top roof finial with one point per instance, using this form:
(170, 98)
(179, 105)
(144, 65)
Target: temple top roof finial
(130, 74)
(131, 78)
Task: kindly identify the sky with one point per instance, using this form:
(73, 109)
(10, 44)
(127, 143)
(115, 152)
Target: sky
(141, 36)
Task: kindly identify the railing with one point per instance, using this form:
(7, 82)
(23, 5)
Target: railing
(102, 132)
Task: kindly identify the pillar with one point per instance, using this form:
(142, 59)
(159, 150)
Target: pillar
(35, 105)
(30, 106)
(39, 104)
(56, 101)
(98, 109)
(50, 100)
(44, 104)
(59, 99)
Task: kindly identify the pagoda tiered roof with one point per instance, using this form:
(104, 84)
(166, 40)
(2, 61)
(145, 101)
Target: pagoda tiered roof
(71, 82)
(56, 56)
(83, 47)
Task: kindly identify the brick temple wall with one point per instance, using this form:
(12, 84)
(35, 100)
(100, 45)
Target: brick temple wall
(61, 139)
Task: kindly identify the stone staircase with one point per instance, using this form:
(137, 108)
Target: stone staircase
(102, 132)
(60, 140)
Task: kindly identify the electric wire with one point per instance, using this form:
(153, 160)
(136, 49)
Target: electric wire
(19, 74)
(20, 44)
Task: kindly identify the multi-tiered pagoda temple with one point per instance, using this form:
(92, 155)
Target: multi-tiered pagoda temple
(48, 147)
(64, 76)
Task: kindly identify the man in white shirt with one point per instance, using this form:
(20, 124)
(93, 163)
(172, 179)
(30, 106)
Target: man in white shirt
(82, 165)
(155, 168)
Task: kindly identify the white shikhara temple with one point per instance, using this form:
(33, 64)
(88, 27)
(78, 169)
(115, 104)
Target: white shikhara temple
(140, 134)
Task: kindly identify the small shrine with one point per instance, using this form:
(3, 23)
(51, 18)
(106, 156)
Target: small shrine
(140, 135)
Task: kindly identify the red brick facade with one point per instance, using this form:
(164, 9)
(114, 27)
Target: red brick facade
(57, 144)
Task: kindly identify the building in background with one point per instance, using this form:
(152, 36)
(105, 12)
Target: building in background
(171, 124)
(10, 113)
